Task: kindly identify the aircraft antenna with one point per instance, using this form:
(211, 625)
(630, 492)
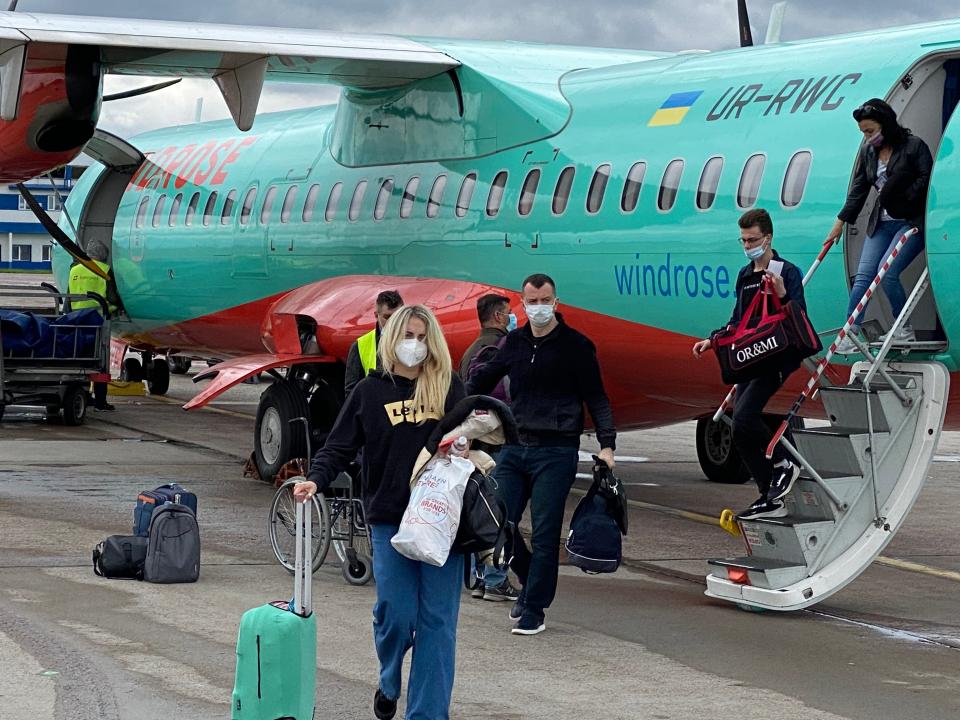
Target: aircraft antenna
(746, 37)
(13, 6)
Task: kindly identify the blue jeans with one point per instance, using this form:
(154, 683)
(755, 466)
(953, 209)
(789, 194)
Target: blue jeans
(541, 476)
(417, 607)
(876, 248)
(487, 574)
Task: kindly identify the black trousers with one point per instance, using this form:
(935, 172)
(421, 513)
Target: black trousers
(100, 394)
(751, 434)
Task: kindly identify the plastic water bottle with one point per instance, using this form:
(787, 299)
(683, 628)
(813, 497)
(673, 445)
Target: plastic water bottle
(459, 446)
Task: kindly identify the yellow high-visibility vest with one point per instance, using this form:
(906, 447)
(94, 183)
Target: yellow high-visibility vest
(83, 281)
(367, 345)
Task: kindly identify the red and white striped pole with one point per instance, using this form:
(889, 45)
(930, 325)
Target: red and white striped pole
(728, 400)
(851, 321)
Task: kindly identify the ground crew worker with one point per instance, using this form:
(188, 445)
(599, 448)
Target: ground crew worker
(84, 280)
(362, 357)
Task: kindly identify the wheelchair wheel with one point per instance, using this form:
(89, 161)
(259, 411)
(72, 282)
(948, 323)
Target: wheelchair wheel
(341, 519)
(360, 572)
(282, 527)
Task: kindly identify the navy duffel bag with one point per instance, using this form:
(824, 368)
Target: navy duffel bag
(150, 500)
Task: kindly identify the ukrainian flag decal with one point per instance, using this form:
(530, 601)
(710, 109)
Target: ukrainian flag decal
(674, 108)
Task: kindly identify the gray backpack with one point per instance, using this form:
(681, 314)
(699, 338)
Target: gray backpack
(173, 546)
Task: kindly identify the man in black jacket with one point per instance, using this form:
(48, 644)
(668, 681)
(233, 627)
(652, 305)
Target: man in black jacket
(553, 371)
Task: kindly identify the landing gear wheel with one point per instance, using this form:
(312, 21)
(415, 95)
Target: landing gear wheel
(276, 440)
(358, 572)
(178, 364)
(132, 370)
(74, 405)
(718, 458)
(158, 381)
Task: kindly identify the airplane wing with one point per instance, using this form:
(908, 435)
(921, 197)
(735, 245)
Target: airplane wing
(239, 58)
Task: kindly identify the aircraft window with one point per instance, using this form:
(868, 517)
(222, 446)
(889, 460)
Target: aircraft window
(598, 186)
(310, 203)
(161, 201)
(632, 186)
(208, 208)
(436, 196)
(142, 211)
(356, 202)
(247, 206)
(529, 192)
(174, 209)
(287, 209)
(465, 196)
(795, 180)
(383, 198)
(267, 209)
(561, 194)
(192, 208)
(335, 192)
(670, 184)
(227, 212)
(409, 196)
(750, 181)
(496, 193)
(709, 180)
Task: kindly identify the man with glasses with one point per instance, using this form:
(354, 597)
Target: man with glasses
(751, 435)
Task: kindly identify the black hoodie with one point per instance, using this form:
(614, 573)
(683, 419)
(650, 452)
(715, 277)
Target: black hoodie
(377, 418)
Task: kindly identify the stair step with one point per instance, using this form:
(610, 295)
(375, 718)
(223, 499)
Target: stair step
(846, 405)
(839, 451)
(792, 540)
(808, 501)
(761, 572)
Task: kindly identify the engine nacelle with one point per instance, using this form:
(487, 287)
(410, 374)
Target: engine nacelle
(58, 111)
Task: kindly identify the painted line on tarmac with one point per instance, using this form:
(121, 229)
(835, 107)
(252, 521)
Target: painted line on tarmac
(588, 457)
(905, 565)
(232, 413)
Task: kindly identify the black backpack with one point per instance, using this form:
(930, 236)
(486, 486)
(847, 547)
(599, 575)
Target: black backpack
(483, 517)
(120, 556)
(594, 544)
(173, 546)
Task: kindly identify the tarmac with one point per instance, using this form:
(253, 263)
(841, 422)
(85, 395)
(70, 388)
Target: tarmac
(642, 643)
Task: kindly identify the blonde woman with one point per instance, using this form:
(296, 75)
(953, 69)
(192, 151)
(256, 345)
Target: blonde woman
(391, 414)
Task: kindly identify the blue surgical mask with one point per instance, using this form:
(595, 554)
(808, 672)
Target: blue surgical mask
(755, 253)
(511, 322)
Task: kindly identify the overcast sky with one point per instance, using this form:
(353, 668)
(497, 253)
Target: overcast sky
(642, 24)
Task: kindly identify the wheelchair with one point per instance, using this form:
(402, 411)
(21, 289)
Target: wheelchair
(340, 522)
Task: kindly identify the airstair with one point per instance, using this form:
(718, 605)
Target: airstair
(860, 476)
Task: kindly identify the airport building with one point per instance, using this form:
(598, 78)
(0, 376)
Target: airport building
(24, 244)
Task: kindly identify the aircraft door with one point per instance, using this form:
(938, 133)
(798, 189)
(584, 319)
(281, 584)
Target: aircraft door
(943, 226)
(250, 231)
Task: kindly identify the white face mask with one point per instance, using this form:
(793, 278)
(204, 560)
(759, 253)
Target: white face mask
(411, 352)
(539, 315)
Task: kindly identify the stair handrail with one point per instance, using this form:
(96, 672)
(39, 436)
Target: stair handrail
(827, 244)
(851, 321)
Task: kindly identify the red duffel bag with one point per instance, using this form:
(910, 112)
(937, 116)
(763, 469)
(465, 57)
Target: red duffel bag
(769, 336)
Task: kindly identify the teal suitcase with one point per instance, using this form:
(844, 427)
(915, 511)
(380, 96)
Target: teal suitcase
(276, 676)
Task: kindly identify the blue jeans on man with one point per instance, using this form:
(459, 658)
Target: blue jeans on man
(876, 248)
(417, 607)
(541, 476)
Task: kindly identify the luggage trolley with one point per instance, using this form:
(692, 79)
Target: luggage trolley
(341, 522)
(49, 355)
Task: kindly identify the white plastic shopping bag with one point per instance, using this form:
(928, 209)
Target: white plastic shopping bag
(430, 521)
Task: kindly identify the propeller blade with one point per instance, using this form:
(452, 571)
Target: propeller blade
(58, 235)
(746, 37)
(140, 91)
(13, 6)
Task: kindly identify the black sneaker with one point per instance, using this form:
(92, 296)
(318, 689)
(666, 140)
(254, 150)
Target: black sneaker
(106, 407)
(783, 479)
(516, 612)
(768, 508)
(530, 623)
(503, 591)
(383, 707)
(477, 592)
(752, 506)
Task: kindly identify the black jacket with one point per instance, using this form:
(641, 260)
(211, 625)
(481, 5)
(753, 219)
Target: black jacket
(376, 418)
(748, 283)
(550, 380)
(353, 373)
(904, 196)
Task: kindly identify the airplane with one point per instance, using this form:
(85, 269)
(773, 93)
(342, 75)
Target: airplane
(452, 168)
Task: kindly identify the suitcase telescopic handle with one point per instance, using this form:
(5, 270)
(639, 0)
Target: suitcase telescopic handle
(303, 565)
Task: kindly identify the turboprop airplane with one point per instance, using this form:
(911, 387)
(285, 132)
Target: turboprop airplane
(451, 168)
